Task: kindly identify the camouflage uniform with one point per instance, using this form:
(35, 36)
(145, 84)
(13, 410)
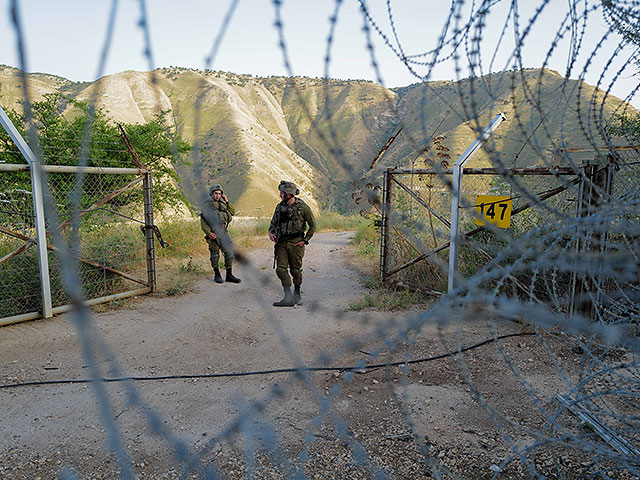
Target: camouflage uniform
(222, 212)
(288, 224)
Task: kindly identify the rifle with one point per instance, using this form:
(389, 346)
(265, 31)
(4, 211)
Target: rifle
(275, 253)
(275, 244)
(216, 240)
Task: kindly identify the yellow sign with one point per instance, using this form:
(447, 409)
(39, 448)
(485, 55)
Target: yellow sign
(493, 209)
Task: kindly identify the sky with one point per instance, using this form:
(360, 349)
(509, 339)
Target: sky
(66, 38)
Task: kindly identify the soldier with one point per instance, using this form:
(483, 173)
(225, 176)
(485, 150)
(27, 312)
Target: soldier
(287, 230)
(222, 211)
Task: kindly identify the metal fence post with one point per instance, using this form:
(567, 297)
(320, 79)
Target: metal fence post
(38, 208)
(456, 190)
(148, 230)
(384, 225)
(595, 191)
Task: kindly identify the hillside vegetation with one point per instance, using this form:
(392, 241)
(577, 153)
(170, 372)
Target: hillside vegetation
(249, 133)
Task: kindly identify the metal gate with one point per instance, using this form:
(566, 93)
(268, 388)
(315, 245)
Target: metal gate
(416, 220)
(111, 238)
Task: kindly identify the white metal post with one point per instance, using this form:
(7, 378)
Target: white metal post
(38, 208)
(456, 188)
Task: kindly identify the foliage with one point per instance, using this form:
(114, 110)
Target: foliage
(184, 238)
(367, 240)
(20, 282)
(623, 18)
(627, 126)
(326, 221)
(182, 281)
(385, 299)
(89, 135)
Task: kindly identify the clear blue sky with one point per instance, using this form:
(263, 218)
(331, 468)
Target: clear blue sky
(65, 37)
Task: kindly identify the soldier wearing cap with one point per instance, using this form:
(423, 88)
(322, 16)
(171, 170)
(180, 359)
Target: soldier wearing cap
(291, 218)
(219, 215)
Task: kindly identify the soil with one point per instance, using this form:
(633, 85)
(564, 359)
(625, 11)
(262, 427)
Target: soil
(457, 416)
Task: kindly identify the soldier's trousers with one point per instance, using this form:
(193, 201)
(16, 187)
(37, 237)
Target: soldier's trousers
(214, 250)
(289, 259)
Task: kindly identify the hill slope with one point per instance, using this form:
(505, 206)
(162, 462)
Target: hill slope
(253, 132)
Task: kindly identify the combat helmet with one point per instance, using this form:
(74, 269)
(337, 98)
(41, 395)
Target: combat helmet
(288, 187)
(215, 187)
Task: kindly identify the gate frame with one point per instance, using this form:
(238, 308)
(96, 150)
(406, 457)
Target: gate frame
(35, 167)
(389, 179)
(456, 187)
(150, 285)
(38, 208)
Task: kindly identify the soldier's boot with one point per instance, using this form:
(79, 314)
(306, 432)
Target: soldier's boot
(296, 295)
(287, 301)
(231, 277)
(217, 277)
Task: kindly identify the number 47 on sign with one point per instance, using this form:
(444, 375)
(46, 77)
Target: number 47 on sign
(493, 209)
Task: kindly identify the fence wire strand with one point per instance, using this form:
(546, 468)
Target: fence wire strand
(561, 286)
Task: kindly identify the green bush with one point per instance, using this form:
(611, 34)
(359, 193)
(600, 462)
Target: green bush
(367, 240)
(384, 299)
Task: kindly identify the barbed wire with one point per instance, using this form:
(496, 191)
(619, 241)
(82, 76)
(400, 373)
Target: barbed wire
(526, 284)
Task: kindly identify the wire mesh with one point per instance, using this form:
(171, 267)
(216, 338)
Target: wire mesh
(105, 238)
(20, 285)
(420, 212)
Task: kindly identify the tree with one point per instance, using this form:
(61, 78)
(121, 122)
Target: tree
(628, 126)
(60, 139)
(624, 18)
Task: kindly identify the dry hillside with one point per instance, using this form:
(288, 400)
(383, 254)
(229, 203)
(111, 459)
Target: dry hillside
(252, 132)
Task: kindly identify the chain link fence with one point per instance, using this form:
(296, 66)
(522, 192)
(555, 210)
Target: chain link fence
(105, 238)
(567, 250)
(419, 228)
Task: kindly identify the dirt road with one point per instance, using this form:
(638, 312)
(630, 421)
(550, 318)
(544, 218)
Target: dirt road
(314, 423)
(214, 329)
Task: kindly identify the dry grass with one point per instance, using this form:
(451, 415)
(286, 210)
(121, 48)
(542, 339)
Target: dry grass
(383, 297)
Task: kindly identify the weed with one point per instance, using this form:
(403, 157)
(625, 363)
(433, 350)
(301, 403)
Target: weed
(191, 267)
(390, 300)
(181, 281)
(179, 285)
(367, 240)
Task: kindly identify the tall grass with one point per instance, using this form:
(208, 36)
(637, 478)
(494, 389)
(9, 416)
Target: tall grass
(381, 296)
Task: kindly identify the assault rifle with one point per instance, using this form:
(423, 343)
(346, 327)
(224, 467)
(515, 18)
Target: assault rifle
(275, 244)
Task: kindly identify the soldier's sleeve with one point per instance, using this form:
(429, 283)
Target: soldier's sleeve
(273, 227)
(230, 208)
(205, 226)
(311, 223)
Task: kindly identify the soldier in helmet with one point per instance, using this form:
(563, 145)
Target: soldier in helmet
(215, 228)
(287, 230)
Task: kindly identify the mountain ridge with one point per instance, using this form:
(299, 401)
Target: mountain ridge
(253, 132)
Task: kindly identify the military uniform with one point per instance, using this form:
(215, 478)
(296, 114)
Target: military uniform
(222, 212)
(291, 224)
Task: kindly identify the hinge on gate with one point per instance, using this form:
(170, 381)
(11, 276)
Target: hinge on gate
(156, 230)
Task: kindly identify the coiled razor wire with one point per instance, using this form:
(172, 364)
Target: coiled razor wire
(590, 428)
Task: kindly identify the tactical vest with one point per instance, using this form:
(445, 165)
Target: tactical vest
(291, 220)
(220, 209)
